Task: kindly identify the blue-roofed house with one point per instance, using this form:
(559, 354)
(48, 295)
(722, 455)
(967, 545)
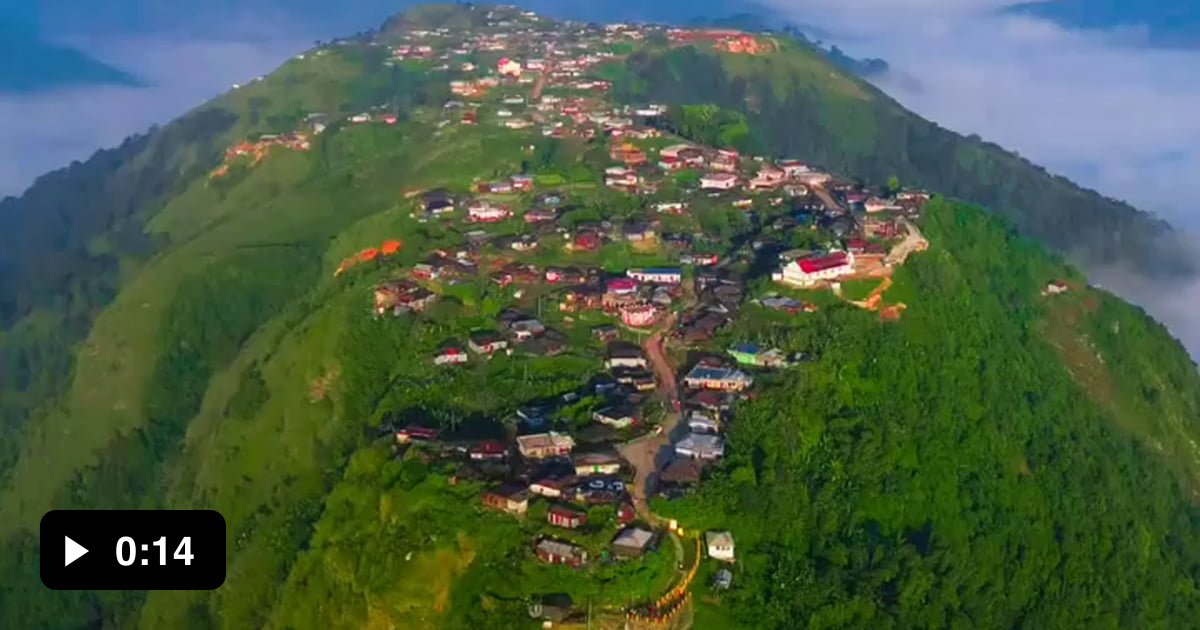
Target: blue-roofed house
(718, 378)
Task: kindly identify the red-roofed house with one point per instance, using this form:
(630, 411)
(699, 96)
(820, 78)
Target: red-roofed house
(805, 272)
(565, 517)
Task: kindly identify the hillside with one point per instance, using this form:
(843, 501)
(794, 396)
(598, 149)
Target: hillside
(344, 305)
(801, 106)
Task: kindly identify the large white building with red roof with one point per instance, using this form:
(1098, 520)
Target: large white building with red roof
(807, 271)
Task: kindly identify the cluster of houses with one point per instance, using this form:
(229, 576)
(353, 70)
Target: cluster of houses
(577, 470)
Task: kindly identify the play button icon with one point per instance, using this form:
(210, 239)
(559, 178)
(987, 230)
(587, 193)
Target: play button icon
(72, 551)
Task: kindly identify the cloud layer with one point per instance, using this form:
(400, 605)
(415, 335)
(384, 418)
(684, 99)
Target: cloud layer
(1098, 107)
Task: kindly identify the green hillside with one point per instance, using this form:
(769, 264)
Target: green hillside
(988, 455)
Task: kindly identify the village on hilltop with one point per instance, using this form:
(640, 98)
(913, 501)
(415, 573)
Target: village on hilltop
(667, 393)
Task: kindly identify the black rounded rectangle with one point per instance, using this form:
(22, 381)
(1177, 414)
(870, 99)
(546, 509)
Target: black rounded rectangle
(133, 549)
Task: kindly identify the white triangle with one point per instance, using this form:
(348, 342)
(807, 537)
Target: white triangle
(73, 551)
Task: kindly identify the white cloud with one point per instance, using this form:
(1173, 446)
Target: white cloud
(1097, 107)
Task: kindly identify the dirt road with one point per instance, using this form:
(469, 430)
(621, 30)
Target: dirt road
(913, 241)
(826, 198)
(649, 452)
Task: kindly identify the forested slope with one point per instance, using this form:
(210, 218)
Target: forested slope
(952, 469)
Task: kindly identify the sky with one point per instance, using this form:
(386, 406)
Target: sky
(1104, 107)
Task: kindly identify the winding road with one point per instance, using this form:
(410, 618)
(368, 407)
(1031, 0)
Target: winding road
(645, 453)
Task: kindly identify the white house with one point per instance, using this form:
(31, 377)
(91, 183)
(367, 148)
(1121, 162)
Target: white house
(701, 446)
(792, 168)
(484, 212)
(720, 545)
(702, 422)
(656, 276)
(719, 181)
(805, 272)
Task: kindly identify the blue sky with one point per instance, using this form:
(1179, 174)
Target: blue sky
(1097, 99)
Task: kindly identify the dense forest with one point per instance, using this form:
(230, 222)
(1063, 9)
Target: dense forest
(847, 126)
(919, 475)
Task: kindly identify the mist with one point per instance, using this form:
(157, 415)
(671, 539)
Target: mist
(1104, 108)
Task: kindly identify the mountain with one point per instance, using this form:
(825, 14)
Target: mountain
(266, 308)
(39, 65)
(798, 107)
(1167, 23)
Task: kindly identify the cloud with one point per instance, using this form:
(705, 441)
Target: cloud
(46, 130)
(1096, 106)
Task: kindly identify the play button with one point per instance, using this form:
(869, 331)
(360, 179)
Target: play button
(72, 551)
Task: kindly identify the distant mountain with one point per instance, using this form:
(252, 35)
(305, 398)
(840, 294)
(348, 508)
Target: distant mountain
(41, 65)
(1169, 23)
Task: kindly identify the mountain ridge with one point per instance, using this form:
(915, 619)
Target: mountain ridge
(904, 470)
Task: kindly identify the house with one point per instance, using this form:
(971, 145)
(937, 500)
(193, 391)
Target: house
(437, 201)
(557, 552)
(710, 400)
(526, 329)
(588, 464)
(632, 542)
(541, 215)
(656, 275)
(725, 161)
(552, 608)
(488, 450)
(523, 183)
(605, 332)
(875, 204)
(750, 354)
(485, 212)
(511, 498)
(792, 168)
(703, 422)
(637, 232)
(553, 488)
(416, 433)
(705, 376)
(618, 417)
(625, 355)
(682, 471)
(1056, 287)
(812, 178)
(639, 316)
(621, 286)
(508, 67)
(807, 271)
(399, 296)
(671, 207)
(719, 181)
(450, 355)
(576, 299)
(719, 545)
(544, 445)
(550, 344)
(586, 241)
(486, 342)
(565, 517)
(701, 446)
